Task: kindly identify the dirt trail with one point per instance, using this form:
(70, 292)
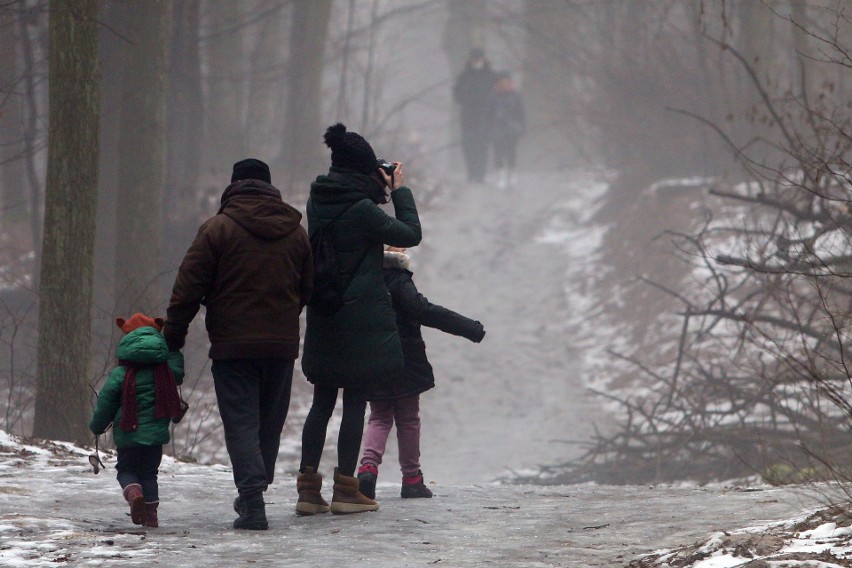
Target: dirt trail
(512, 401)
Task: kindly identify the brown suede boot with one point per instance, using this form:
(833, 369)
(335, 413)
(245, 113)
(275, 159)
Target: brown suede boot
(133, 495)
(151, 514)
(309, 485)
(347, 496)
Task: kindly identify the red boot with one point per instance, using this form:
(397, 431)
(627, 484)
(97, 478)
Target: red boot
(133, 495)
(151, 514)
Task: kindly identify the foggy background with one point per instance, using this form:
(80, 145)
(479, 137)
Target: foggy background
(636, 113)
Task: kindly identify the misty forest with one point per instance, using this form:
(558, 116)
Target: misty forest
(662, 278)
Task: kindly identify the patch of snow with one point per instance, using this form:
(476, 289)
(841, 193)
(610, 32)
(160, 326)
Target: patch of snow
(720, 560)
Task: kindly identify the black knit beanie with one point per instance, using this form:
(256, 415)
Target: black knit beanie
(251, 169)
(349, 150)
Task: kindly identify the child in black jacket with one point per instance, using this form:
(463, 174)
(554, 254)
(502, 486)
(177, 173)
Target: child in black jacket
(398, 400)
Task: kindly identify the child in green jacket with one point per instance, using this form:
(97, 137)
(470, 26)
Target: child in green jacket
(140, 397)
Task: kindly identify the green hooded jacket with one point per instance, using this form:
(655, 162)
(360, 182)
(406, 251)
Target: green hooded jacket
(359, 344)
(144, 346)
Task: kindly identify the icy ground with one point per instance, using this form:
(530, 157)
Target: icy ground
(55, 512)
(513, 259)
(519, 398)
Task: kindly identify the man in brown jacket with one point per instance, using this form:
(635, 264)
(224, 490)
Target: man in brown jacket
(251, 266)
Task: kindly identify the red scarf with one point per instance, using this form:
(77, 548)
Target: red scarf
(166, 399)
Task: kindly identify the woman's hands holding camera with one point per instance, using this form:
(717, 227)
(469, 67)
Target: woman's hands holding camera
(395, 180)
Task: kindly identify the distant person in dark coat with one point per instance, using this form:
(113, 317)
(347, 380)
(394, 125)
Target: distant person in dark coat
(398, 400)
(471, 92)
(251, 266)
(507, 127)
(358, 344)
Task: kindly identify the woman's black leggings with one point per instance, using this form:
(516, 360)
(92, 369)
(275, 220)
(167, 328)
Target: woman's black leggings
(351, 428)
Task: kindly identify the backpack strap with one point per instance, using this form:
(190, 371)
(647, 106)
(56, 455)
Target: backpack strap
(336, 217)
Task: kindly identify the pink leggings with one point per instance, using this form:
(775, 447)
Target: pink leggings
(406, 413)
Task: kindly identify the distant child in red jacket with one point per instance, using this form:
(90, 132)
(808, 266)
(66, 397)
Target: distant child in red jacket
(398, 400)
(140, 397)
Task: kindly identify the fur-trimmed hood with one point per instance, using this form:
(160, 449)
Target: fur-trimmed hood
(398, 260)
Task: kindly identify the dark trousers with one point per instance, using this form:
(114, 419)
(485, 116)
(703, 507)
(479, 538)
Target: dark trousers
(253, 397)
(474, 140)
(505, 152)
(139, 464)
(351, 428)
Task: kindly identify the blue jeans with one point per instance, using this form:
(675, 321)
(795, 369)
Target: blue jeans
(139, 464)
(253, 397)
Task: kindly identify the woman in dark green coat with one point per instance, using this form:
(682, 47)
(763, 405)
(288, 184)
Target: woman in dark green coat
(358, 344)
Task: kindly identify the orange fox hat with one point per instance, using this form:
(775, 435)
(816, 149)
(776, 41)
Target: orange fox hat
(138, 320)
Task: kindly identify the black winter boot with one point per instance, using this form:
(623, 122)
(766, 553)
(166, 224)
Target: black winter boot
(414, 488)
(252, 511)
(367, 475)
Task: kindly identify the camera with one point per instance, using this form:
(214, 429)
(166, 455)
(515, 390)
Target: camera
(387, 167)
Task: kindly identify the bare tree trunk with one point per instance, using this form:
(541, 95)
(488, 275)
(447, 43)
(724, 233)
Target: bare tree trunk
(226, 79)
(465, 30)
(755, 43)
(265, 95)
(340, 107)
(369, 98)
(113, 44)
(30, 134)
(302, 149)
(803, 52)
(545, 27)
(70, 207)
(756, 35)
(13, 198)
(141, 142)
(185, 132)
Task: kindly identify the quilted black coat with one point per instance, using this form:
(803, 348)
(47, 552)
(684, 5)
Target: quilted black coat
(413, 310)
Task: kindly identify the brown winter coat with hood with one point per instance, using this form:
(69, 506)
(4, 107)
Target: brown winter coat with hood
(251, 266)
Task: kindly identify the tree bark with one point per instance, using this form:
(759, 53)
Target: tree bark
(185, 133)
(13, 200)
(265, 95)
(465, 29)
(111, 56)
(756, 36)
(142, 153)
(302, 148)
(70, 207)
(226, 82)
(34, 101)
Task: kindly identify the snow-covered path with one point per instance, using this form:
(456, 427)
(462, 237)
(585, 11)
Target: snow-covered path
(55, 512)
(506, 404)
(512, 401)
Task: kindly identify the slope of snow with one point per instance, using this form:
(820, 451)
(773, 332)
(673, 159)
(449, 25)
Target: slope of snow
(518, 399)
